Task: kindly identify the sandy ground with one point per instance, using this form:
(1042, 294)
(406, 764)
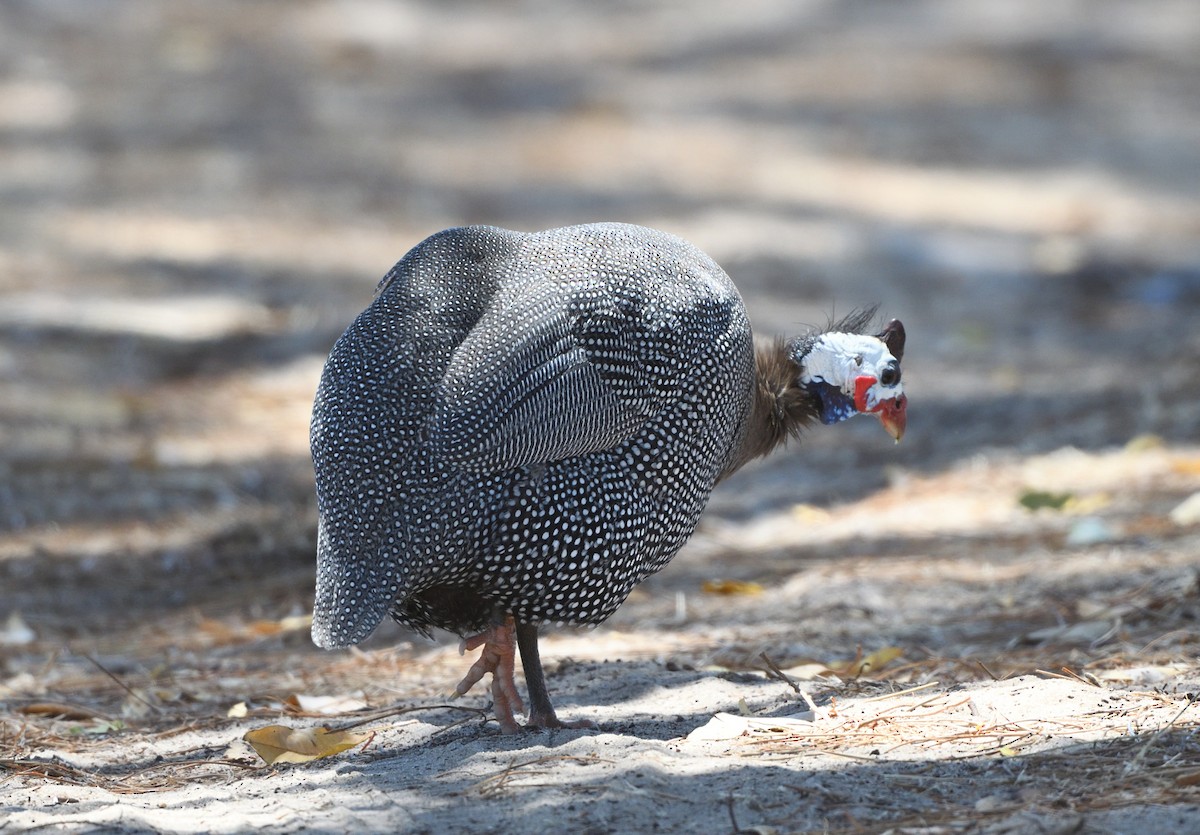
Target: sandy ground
(992, 627)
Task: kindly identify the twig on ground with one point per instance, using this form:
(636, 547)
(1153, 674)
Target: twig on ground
(1140, 755)
(984, 667)
(122, 684)
(399, 711)
(925, 686)
(1048, 674)
(1089, 679)
(786, 679)
(495, 783)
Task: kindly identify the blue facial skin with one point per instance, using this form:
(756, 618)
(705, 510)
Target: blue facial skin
(835, 406)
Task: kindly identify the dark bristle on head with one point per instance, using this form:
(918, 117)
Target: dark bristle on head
(856, 321)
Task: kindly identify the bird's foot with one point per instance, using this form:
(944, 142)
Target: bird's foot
(539, 719)
(498, 658)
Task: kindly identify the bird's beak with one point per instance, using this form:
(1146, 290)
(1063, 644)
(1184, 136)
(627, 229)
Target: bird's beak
(893, 414)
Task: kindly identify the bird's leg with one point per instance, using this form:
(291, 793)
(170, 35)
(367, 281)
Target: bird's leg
(541, 712)
(499, 659)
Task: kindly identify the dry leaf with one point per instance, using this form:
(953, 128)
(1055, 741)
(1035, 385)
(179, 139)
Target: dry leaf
(1187, 512)
(217, 632)
(280, 744)
(138, 704)
(1192, 778)
(730, 587)
(1144, 443)
(296, 623)
(220, 632)
(1145, 675)
(60, 710)
(263, 628)
(99, 727)
(1038, 499)
(807, 514)
(266, 628)
(860, 665)
(15, 632)
(806, 669)
(721, 727)
(1186, 466)
(725, 726)
(342, 703)
(1085, 505)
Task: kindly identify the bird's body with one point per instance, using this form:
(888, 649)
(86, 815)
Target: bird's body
(539, 440)
(526, 426)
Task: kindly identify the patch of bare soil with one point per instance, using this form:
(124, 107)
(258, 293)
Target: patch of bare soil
(979, 671)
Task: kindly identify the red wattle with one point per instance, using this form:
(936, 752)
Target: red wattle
(861, 386)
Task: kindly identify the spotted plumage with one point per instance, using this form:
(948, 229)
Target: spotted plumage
(526, 426)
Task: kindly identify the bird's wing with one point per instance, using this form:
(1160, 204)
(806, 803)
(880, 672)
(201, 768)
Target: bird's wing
(547, 375)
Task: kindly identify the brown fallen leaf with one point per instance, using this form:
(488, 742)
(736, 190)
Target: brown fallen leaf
(61, 710)
(1186, 466)
(1191, 778)
(281, 744)
(730, 587)
(217, 632)
(233, 632)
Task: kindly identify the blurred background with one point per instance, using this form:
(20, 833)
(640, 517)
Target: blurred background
(196, 197)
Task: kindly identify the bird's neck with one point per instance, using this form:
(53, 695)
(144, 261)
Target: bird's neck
(780, 407)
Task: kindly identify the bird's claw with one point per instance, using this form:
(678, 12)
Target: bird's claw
(499, 659)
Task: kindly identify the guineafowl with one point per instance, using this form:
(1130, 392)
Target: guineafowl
(522, 427)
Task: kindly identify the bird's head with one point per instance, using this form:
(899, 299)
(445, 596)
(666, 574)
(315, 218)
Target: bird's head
(853, 373)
